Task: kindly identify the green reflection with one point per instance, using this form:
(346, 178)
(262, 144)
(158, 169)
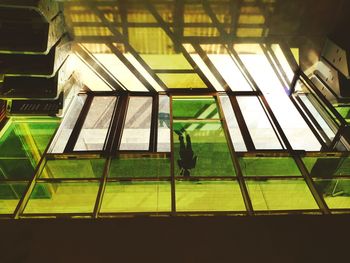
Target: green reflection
(73, 168)
(327, 167)
(290, 194)
(140, 167)
(137, 197)
(208, 196)
(22, 143)
(208, 145)
(65, 197)
(195, 108)
(269, 166)
(10, 194)
(336, 192)
(344, 111)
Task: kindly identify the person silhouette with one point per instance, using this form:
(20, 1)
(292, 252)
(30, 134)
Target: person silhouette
(187, 158)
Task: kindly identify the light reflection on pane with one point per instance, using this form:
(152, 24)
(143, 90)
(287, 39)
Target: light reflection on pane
(166, 61)
(64, 197)
(208, 196)
(258, 124)
(294, 126)
(292, 194)
(66, 128)
(137, 197)
(232, 124)
(182, 80)
(283, 61)
(137, 127)
(163, 144)
(94, 131)
(10, 194)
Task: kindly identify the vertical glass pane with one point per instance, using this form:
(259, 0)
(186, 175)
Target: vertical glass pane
(208, 196)
(136, 197)
(232, 124)
(94, 131)
(60, 141)
(291, 194)
(163, 144)
(63, 197)
(137, 166)
(336, 192)
(10, 194)
(195, 107)
(73, 168)
(269, 166)
(137, 127)
(260, 128)
(202, 149)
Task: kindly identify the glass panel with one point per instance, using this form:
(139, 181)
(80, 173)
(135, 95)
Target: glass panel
(258, 124)
(344, 111)
(336, 192)
(182, 80)
(291, 194)
(208, 196)
(94, 131)
(232, 124)
(269, 166)
(294, 126)
(73, 168)
(164, 124)
(195, 107)
(166, 61)
(64, 197)
(327, 167)
(202, 150)
(136, 197)
(283, 61)
(10, 194)
(22, 143)
(140, 167)
(137, 127)
(60, 141)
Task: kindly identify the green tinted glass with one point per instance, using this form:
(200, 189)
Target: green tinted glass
(140, 167)
(208, 196)
(65, 197)
(336, 192)
(136, 197)
(269, 166)
(182, 80)
(203, 149)
(73, 168)
(291, 194)
(326, 167)
(195, 108)
(10, 194)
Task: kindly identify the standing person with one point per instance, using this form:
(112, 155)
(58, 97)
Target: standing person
(187, 158)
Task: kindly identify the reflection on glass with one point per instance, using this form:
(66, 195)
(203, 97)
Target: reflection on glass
(140, 167)
(166, 61)
(94, 131)
(336, 192)
(283, 61)
(136, 197)
(327, 167)
(291, 194)
(207, 154)
(232, 124)
(83, 168)
(62, 197)
(137, 127)
(294, 126)
(208, 196)
(163, 144)
(195, 107)
(10, 194)
(269, 166)
(60, 141)
(260, 128)
(182, 80)
(22, 143)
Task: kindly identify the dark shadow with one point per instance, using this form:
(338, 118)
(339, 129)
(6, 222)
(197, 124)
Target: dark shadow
(187, 158)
